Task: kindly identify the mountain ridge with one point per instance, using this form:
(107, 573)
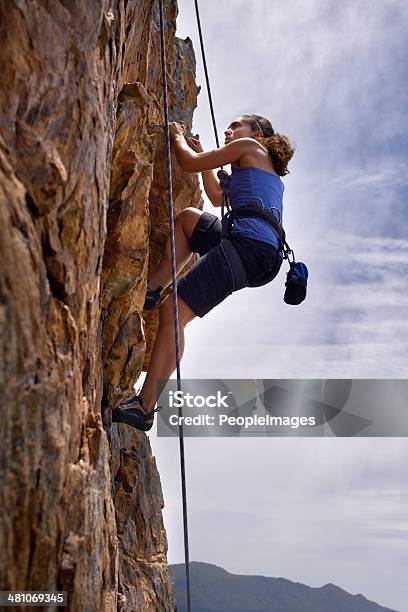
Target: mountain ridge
(214, 589)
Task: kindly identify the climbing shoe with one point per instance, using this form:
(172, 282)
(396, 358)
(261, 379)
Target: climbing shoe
(132, 413)
(152, 298)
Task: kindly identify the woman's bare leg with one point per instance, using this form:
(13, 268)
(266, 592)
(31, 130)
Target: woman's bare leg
(183, 228)
(163, 358)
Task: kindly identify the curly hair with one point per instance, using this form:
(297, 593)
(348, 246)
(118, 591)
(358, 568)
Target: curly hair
(279, 146)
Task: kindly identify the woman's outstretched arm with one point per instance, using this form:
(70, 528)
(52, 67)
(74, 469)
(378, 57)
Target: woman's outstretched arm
(191, 161)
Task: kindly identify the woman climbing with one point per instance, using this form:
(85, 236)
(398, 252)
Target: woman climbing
(258, 158)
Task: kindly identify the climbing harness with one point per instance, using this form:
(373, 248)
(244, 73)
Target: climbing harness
(296, 278)
(175, 307)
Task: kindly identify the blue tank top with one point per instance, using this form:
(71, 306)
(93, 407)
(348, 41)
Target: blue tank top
(247, 184)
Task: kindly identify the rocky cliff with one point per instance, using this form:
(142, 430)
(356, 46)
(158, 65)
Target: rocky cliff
(83, 217)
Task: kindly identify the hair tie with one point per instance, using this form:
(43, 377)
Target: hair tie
(260, 128)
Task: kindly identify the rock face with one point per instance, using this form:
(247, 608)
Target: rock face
(83, 210)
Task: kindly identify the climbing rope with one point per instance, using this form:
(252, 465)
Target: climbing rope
(222, 175)
(175, 306)
(223, 180)
(207, 80)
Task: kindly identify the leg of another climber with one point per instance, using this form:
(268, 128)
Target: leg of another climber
(163, 357)
(183, 228)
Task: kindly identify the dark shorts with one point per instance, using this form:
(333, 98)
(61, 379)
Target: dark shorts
(209, 281)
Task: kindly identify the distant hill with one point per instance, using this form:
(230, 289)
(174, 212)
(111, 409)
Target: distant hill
(215, 590)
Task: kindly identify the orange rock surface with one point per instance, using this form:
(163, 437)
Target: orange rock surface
(83, 207)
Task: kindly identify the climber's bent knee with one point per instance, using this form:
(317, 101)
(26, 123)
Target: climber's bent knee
(167, 311)
(189, 217)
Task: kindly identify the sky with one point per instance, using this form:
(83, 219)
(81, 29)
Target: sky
(333, 77)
